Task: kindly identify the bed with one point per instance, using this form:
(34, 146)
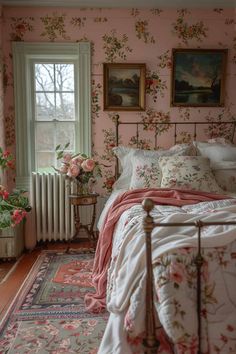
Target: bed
(170, 283)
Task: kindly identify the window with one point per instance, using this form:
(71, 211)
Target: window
(55, 111)
(52, 101)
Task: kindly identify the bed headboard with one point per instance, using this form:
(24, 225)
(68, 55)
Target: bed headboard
(215, 126)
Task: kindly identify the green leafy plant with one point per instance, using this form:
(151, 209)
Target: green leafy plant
(15, 205)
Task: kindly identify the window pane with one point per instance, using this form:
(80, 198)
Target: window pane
(44, 137)
(65, 106)
(49, 135)
(45, 161)
(44, 77)
(45, 106)
(64, 77)
(65, 133)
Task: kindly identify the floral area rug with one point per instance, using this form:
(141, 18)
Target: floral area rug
(48, 313)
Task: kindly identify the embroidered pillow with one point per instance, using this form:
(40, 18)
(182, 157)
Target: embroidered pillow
(146, 170)
(188, 172)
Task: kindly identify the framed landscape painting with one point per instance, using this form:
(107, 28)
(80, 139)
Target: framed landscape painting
(198, 77)
(124, 86)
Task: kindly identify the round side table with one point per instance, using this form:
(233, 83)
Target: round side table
(80, 200)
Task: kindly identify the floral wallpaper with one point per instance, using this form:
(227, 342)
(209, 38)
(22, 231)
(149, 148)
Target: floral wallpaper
(124, 35)
(1, 87)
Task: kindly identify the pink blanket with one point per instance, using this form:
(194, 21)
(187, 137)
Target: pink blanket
(96, 302)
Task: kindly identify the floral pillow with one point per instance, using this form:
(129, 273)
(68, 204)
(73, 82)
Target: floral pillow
(188, 172)
(146, 172)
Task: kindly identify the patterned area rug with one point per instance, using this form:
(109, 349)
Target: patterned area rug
(48, 313)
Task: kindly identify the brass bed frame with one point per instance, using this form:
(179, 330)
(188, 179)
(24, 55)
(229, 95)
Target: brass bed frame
(150, 342)
(213, 124)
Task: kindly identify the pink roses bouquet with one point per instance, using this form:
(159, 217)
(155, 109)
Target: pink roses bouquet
(78, 167)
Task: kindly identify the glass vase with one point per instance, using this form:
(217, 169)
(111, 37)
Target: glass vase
(82, 188)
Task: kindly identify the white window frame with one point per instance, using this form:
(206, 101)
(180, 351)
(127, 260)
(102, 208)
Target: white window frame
(24, 55)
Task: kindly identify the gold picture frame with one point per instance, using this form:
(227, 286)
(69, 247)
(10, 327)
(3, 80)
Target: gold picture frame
(124, 86)
(198, 77)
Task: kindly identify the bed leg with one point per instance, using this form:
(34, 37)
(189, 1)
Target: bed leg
(199, 263)
(150, 341)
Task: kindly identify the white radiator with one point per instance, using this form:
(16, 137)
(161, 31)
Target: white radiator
(53, 212)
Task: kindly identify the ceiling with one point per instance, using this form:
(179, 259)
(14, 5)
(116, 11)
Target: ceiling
(124, 3)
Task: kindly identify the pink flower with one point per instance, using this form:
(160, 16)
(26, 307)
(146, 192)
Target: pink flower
(128, 322)
(63, 169)
(109, 182)
(177, 271)
(3, 192)
(6, 153)
(164, 343)
(88, 165)
(67, 157)
(5, 195)
(73, 170)
(10, 164)
(70, 326)
(18, 215)
(78, 159)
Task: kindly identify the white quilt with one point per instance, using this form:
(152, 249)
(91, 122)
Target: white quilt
(175, 279)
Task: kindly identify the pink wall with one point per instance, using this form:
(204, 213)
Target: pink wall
(126, 35)
(1, 86)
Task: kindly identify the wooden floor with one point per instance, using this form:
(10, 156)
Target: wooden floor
(9, 288)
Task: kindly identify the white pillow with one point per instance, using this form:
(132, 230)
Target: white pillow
(124, 155)
(146, 170)
(222, 155)
(219, 140)
(225, 175)
(216, 152)
(188, 172)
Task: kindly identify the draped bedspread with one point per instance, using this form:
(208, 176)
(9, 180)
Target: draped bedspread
(172, 197)
(174, 282)
(120, 273)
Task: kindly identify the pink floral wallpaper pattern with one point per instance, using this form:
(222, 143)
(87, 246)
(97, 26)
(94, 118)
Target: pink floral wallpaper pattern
(124, 35)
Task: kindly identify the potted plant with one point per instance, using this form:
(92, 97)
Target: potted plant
(15, 205)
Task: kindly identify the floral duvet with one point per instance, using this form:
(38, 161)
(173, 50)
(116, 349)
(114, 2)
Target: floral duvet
(174, 282)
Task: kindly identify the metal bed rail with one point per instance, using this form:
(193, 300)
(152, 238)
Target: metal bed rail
(151, 343)
(194, 124)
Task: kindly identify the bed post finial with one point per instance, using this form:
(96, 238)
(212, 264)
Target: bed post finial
(148, 205)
